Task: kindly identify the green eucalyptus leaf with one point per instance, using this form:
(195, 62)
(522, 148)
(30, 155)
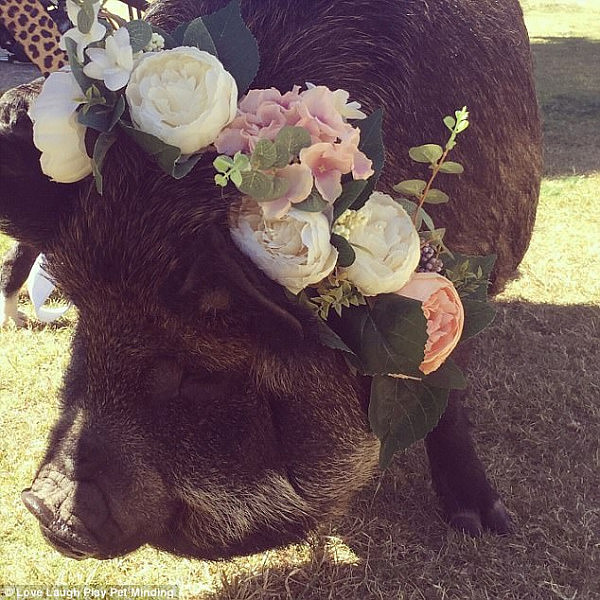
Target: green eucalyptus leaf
(86, 17)
(428, 153)
(290, 140)
(402, 412)
(76, 67)
(101, 147)
(449, 122)
(280, 187)
(181, 168)
(411, 187)
(462, 126)
(140, 34)
(98, 117)
(453, 168)
(314, 202)
(262, 186)
(117, 112)
(223, 163)
(388, 338)
(256, 184)
(371, 144)
(236, 47)
(410, 207)
(448, 375)
(198, 36)
(241, 161)
(264, 155)
(167, 156)
(236, 178)
(169, 41)
(346, 254)
(436, 197)
(351, 190)
(178, 33)
(221, 180)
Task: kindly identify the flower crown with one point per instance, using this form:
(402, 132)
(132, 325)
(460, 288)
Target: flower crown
(374, 269)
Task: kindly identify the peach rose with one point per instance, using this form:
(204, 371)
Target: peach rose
(444, 312)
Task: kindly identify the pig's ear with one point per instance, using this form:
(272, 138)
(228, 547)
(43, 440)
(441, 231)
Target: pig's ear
(247, 286)
(256, 285)
(31, 205)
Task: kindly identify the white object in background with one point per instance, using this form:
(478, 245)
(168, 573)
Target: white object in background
(40, 286)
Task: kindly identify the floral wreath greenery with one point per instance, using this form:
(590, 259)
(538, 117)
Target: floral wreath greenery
(374, 269)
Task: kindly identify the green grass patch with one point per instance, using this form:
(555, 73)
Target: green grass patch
(566, 19)
(554, 269)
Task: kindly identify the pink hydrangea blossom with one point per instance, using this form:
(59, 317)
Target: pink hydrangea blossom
(334, 151)
(320, 115)
(329, 161)
(261, 114)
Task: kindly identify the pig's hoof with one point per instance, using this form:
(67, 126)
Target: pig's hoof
(497, 519)
(474, 522)
(467, 521)
(17, 320)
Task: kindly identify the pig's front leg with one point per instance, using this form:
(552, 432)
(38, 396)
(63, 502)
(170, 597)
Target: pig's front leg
(14, 271)
(468, 500)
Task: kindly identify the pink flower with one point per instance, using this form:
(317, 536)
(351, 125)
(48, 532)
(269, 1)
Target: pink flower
(261, 114)
(300, 182)
(320, 115)
(362, 167)
(328, 162)
(444, 313)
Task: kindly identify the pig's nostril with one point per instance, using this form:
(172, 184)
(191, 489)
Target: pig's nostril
(71, 542)
(36, 507)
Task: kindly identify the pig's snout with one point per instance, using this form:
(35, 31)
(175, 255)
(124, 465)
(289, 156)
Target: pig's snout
(74, 516)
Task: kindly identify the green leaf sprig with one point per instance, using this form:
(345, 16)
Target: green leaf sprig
(335, 293)
(435, 156)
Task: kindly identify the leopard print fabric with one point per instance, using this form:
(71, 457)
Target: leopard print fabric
(31, 26)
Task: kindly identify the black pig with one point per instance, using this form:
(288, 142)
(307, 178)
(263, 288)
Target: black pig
(199, 414)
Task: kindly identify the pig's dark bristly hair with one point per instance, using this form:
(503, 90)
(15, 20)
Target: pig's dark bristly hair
(417, 78)
(190, 378)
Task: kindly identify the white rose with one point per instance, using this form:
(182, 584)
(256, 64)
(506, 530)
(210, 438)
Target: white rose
(386, 244)
(294, 251)
(56, 131)
(182, 96)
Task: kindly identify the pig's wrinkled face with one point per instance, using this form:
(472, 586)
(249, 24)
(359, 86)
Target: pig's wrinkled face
(194, 416)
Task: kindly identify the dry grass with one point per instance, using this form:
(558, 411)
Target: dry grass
(536, 413)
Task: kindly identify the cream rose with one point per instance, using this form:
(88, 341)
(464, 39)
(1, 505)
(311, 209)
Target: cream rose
(295, 250)
(386, 244)
(56, 131)
(182, 96)
(444, 312)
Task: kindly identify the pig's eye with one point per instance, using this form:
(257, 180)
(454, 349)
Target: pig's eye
(214, 386)
(164, 381)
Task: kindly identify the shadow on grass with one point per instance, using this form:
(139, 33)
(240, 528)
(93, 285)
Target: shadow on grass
(568, 84)
(536, 416)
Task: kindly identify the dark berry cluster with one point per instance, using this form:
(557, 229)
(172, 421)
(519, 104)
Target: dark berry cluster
(429, 263)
